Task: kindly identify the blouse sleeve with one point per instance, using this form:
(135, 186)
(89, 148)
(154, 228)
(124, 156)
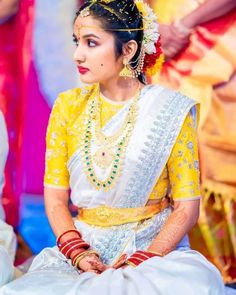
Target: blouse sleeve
(183, 164)
(56, 172)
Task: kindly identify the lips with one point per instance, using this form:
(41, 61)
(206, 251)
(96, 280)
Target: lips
(82, 70)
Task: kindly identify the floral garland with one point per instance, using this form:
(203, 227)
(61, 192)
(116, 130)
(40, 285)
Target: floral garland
(151, 41)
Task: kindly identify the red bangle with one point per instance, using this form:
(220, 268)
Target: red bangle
(76, 247)
(72, 241)
(65, 250)
(66, 232)
(73, 248)
(140, 256)
(68, 243)
(67, 247)
(135, 260)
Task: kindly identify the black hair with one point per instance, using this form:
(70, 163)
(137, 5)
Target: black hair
(122, 14)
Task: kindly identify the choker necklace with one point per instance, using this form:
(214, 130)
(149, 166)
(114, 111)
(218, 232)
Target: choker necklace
(110, 152)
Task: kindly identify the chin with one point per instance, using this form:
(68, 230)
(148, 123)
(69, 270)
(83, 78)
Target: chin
(88, 80)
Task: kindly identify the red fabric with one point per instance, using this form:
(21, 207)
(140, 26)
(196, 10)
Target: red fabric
(202, 40)
(25, 109)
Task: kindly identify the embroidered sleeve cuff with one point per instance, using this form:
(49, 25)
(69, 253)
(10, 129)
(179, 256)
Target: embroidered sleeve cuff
(60, 187)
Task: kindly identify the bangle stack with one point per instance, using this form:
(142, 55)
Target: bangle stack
(70, 245)
(141, 256)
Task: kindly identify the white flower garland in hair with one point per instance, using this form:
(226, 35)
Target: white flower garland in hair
(150, 24)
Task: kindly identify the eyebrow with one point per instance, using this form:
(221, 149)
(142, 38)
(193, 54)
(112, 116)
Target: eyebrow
(87, 36)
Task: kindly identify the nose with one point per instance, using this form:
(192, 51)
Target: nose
(79, 56)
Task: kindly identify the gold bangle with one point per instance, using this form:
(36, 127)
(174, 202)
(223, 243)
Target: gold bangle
(131, 263)
(157, 253)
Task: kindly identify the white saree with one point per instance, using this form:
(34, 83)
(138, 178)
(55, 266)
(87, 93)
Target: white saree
(183, 271)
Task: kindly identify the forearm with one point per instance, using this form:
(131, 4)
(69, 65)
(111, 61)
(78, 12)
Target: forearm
(57, 210)
(178, 224)
(8, 8)
(209, 10)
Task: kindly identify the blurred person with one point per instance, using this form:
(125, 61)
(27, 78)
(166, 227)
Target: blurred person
(128, 152)
(7, 236)
(199, 41)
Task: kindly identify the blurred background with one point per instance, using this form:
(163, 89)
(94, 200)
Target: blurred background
(36, 64)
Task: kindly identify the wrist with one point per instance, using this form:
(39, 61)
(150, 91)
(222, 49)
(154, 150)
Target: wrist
(189, 22)
(140, 256)
(183, 28)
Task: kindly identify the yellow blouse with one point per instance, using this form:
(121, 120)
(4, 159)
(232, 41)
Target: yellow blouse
(179, 179)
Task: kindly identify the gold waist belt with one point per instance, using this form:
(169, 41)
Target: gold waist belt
(106, 216)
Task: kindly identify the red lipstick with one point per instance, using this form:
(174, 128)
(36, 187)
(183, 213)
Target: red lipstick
(82, 70)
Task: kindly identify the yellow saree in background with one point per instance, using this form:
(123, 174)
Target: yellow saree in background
(206, 71)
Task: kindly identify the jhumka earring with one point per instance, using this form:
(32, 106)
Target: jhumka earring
(127, 71)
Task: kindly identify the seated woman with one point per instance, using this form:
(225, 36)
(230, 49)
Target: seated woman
(128, 153)
(7, 236)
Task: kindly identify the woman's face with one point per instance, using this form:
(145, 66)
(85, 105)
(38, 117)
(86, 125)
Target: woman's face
(95, 52)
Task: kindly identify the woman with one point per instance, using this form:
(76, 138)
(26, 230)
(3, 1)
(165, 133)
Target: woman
(128, 153)
(7, 236)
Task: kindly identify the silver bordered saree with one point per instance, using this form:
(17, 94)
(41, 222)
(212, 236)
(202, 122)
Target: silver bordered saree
(161, 116)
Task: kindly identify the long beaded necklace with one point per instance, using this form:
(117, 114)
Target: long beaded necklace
(111, 149)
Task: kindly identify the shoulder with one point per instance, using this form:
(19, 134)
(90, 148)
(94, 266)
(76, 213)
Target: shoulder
(72, 99)
(172, 100)
(169, 94)
(75, 95)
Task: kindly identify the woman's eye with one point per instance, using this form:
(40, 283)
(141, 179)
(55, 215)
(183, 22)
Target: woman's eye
(75, 40)
(91, 43)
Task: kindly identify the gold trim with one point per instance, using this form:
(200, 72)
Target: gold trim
(105, 216)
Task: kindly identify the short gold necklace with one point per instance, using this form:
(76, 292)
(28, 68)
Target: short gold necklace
(105, 157)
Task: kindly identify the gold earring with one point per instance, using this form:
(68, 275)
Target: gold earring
(127, 71)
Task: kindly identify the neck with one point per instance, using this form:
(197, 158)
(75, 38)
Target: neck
(121, 89)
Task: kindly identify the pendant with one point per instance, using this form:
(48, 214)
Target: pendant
(103, 157)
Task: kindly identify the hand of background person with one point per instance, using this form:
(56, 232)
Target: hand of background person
(176, 36)
(173, 41)
(7, 9)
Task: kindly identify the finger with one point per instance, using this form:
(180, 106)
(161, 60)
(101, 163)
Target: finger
(98, 265)
(120, 261)
(94, 271)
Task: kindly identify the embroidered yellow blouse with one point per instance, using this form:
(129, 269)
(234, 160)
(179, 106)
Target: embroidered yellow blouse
(179, 179)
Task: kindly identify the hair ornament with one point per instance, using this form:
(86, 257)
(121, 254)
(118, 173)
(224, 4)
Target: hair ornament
(151, 33)
(151, 40)
(103, 3)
